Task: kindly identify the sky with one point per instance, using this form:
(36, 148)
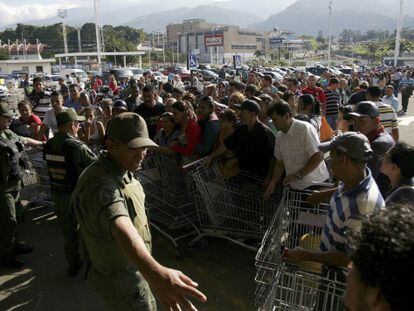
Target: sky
(15, 11)
(23, 10)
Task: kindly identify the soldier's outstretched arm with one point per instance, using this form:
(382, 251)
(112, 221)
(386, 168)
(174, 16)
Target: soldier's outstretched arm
(171, 287)
(32, 142)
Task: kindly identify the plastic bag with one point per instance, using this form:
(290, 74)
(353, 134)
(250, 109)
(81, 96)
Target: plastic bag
(326, 131)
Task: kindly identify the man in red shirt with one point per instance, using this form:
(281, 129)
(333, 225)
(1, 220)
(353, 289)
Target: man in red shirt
(97, 84)
(315, 91)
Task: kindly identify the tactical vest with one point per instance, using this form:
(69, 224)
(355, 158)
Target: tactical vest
(17, 157)
(62, 174)
(104, 252)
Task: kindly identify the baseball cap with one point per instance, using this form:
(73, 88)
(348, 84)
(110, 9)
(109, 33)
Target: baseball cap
(354, 144)
(364, 84)
(5, 111)
(68, 115)
(365, 109)
(120, 104)
(131, 129)
(249, 105)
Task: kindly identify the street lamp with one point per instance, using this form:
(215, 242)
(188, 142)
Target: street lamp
(398, 36)
(62, 13)
(330, 33)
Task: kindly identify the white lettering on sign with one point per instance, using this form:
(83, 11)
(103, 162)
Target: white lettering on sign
(213, 40)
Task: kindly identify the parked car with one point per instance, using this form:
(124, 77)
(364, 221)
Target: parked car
(316, 70)
(209, 75)
(3, 92)
(8, 81)
(120, 73)
(51, 81)
(160, 77)
(275, 75)
(137, 72)
(181, 71)
(74, 73)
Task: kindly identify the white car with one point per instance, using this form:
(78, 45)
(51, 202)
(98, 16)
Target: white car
(160, 77)
(3, 92)
(51, 81)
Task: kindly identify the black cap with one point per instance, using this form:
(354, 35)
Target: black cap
(120, 104)
(365, 109)
(354, 144)
(249, 105)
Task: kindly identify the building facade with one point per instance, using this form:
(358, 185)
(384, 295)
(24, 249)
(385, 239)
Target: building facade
(213, 43)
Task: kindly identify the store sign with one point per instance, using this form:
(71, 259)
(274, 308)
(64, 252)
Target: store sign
(275, 41)
(213, 40)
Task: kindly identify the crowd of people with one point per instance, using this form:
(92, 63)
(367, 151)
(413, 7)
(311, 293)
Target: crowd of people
(280, 131)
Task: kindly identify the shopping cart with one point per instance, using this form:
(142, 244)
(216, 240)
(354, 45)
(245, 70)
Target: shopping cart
(232, 208)
(296, 289)
(282, 286)
(36, 183)
(170, 198)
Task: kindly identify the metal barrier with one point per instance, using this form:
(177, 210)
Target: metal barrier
(170, 198)
(306, 286)
(36, 183)
(232, 208)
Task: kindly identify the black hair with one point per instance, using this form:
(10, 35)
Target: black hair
(180, 106)
(178, 91)
(346, 110)
(169, 116)
(267, 78)
(402, 155)
(294, 81)
(383, 254)
(206, 100)
(333, 81)
(251, 88)
(375, 91)
(37, 79)
(280, 107)
(148, 88)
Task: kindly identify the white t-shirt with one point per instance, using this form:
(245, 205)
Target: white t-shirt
(295, 148)
(50, 120)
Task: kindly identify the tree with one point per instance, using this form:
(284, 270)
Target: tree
(258, 53)
(4, 54)
(405, 46)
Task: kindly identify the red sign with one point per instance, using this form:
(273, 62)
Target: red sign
(213, 40)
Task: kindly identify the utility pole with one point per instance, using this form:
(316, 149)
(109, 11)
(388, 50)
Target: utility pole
(62, 14)
(96, 5)
(398, 36)
(149, 51)
(79, 38)
(330, 33)
(163, 49)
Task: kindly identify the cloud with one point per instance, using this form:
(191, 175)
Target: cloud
(20, 13)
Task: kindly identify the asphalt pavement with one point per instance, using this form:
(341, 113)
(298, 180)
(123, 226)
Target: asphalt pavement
(224, 271)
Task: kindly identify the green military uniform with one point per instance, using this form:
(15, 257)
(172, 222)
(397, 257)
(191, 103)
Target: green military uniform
(66, 158)
(103, 193)
(10, 184)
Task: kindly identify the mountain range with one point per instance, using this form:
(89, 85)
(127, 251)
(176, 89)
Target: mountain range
(310, 16)
(300, 16)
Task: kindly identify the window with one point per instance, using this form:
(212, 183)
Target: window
(244, 47)
(39, 68)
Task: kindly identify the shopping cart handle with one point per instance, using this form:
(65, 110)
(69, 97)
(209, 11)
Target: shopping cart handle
(196, 162)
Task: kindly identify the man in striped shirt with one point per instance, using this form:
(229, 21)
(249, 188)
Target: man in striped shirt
(357, 195)
(388, 117)
(39, 98)
(332, 102)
